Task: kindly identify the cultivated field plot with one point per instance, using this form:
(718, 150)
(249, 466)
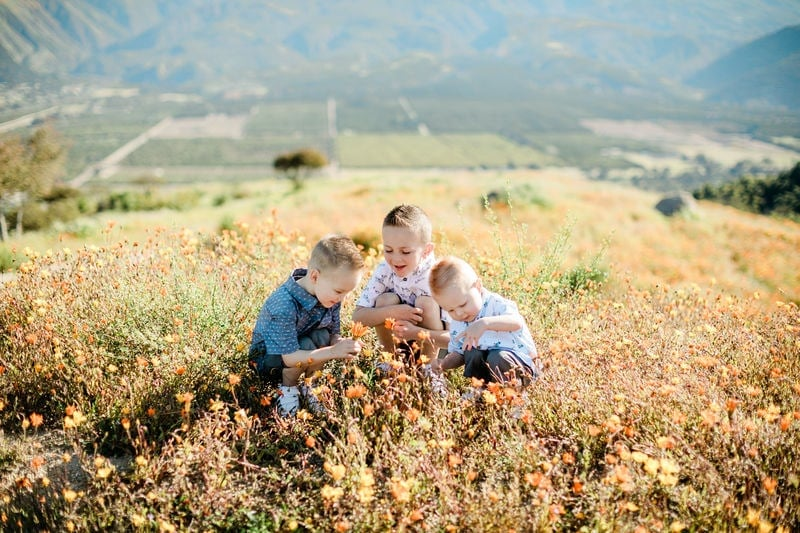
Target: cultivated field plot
(295, 119)
(465, 151)
(689, 141)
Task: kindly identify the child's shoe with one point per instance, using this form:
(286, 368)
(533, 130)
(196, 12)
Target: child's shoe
(472, 395)
(314, 405)
(288, 401)
(438, 381)
(519, 406)
(384, 367)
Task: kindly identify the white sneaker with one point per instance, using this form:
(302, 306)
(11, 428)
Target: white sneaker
(288, 401)
(438, 381)
(313, 403)
(472, 395)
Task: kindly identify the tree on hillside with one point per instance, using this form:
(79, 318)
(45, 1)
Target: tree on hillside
(28, 170)
(298, 164)
(779, 195)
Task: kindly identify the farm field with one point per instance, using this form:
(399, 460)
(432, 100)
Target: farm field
(560, 130)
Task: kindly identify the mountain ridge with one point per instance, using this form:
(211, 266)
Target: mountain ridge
(604, 46)
(767, 69)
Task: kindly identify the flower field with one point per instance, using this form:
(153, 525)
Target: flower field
(126, 401)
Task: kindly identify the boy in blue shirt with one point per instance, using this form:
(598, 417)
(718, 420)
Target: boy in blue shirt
(298, 327)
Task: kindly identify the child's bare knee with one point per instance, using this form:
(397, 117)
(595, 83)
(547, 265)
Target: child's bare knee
(431, 311)
(387, 299)
(292, 375)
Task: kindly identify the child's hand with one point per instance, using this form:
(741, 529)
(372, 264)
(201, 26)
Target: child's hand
(406, 330)
(472, 335)
(346, 349)
(407, 313)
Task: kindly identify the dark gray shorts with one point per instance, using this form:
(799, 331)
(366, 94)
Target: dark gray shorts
(497, 365)
(269, 367)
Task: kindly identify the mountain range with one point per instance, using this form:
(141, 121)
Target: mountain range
(732, 50)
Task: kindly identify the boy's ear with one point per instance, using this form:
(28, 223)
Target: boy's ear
(478, 284)
(313, 275)
(428, 249)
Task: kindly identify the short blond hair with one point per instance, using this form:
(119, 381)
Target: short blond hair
(450, 271)
(335, 251)
(411, 217)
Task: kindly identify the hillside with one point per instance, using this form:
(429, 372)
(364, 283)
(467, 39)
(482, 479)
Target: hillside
(608, 46)
(718, 246)
(765, 70)
(670, 397)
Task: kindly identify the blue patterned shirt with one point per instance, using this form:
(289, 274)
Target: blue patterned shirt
(288, 314)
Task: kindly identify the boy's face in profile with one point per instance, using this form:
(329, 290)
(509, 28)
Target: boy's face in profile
(333, 285)
(462, 301)
(403, 249)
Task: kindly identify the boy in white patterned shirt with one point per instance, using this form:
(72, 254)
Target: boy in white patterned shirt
(398, 288)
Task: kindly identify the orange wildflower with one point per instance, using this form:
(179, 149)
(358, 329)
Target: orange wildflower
(36, 420)
(355, 391)
(358, 330)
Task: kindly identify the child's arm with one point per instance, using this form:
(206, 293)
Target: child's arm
(343, 349)
(448, 362)
(408, 331)
(376, 316)
(473, 333)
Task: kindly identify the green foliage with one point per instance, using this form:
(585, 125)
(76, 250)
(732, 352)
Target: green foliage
(9, 259)
(28, 170)
(583, 278)
(254, 151)
(522, 195)
(148, 200)
(298, 164)
(776, 195)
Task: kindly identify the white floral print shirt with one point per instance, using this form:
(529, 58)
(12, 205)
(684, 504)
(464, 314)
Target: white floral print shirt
(384, 279)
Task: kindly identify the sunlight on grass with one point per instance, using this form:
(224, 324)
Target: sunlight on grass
(126, 401)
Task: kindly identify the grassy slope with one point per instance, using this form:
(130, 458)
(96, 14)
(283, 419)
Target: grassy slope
(740, 252)
(670, 399)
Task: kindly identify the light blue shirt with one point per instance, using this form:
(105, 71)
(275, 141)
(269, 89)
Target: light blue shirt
(520, 341)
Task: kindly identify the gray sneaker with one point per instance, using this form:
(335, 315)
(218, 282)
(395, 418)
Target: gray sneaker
(288, 401)
(472, 395)
(438, 381)
(383, 367)
(314, 405)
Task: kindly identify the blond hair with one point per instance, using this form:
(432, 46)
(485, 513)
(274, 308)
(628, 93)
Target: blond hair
(334, 251)
(411, 217)
(450, 271)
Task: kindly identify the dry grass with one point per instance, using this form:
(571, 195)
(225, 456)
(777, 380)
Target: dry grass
(668, 402)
